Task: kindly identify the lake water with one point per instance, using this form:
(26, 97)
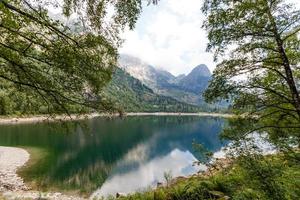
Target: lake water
(104, 156)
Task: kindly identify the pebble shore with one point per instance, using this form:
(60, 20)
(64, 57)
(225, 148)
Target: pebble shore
(46, 118)
(10, 160)
(12, 187)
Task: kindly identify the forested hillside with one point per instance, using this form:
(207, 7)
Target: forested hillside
(132, 95)
(123, 93)
(184, 88)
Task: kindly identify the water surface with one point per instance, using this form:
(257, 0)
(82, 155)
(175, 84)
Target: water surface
(106, 156)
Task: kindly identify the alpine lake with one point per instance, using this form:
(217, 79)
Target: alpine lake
(103, 156)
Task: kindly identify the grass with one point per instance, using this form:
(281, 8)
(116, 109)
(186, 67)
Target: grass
(280, 179)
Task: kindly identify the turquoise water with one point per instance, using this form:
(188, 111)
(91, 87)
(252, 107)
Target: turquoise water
(113, 155)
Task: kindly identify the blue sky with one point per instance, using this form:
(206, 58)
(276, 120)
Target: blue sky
(169, 36)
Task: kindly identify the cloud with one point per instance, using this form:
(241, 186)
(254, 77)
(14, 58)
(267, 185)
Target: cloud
(179, 163)
(169, 36)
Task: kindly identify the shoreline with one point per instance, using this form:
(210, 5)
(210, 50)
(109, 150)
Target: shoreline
(12, 159)
(201, 114)
(48, 118)
(13, 186)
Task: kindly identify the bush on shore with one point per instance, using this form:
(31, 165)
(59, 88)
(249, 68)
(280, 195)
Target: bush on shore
(250, 177)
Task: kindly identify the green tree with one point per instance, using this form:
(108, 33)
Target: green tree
(260, 74)
(62, 64)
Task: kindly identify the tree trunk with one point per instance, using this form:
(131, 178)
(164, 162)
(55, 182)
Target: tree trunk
(286, 63)
(289, 75)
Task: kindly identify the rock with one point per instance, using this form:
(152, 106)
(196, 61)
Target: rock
(224, 198)
(12, 186)
(10, 160)
(118, 195)
(38, 196)
(217, 194)
(159, 184)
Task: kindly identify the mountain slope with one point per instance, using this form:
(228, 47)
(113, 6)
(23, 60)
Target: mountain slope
(196, 81)
(184, 88)
(147, 74)
(132, 95)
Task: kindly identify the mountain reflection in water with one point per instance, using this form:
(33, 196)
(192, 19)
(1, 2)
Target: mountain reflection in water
(177, 163)
(113, 155)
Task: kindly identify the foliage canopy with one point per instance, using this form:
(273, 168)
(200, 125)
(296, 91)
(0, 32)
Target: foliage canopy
(61, 63)
(260, 75)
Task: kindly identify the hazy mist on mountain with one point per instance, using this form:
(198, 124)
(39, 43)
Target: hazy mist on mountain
(185, 88)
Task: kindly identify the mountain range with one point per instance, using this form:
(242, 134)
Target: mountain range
(139, 87)
(184, 88)
(131, 95)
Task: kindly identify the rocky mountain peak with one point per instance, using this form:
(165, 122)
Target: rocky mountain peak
(201, 70)
(185, 88)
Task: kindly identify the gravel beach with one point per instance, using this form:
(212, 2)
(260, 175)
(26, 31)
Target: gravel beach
(12, 186)
(11, 159)
(43, 118)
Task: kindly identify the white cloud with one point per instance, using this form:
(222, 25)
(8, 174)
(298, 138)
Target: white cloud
(169, 36)
(179, 163)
